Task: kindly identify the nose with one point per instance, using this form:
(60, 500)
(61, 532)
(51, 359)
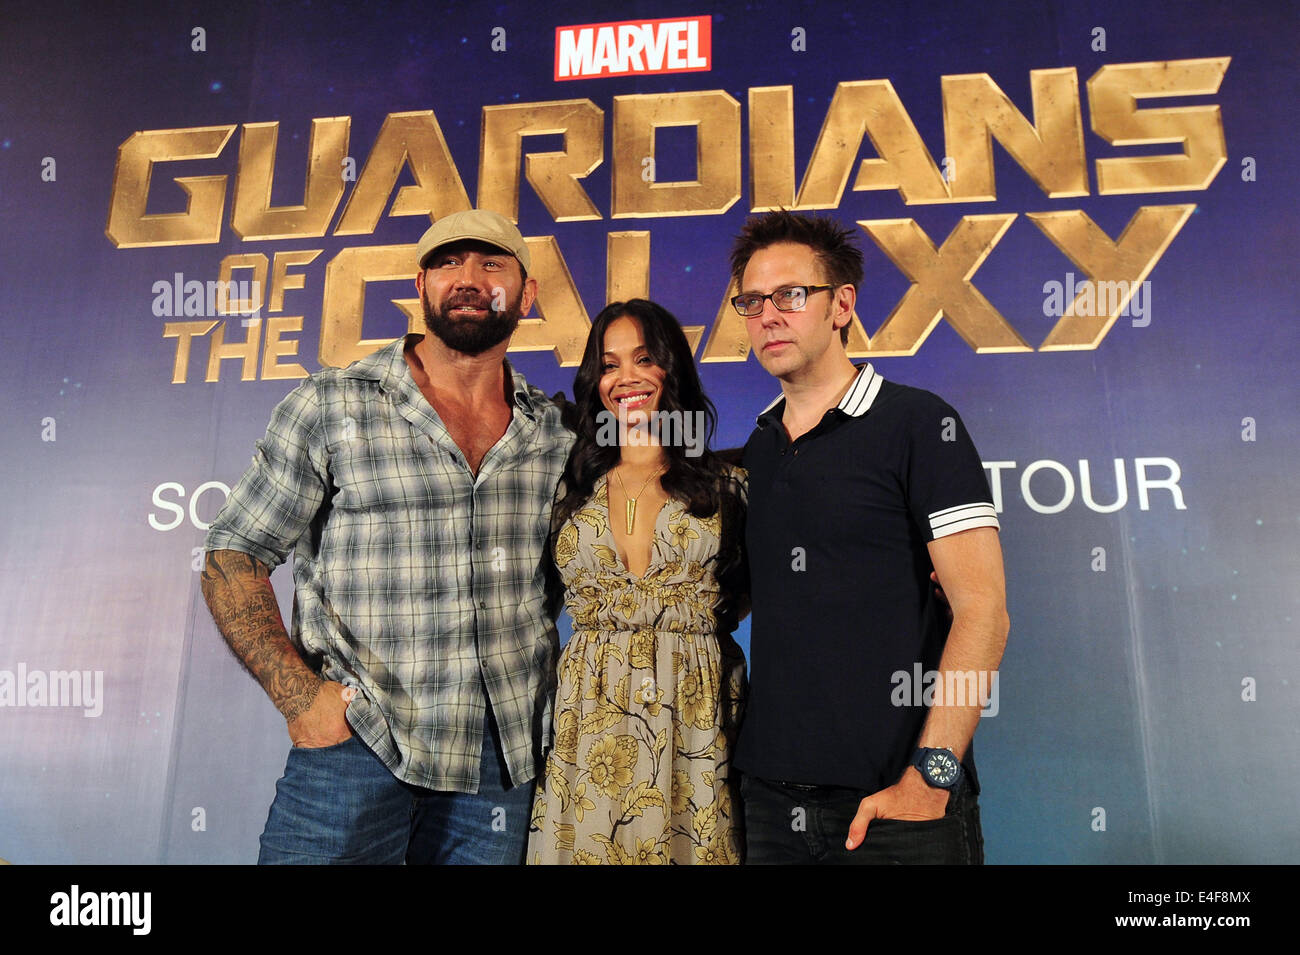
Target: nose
(770, 314)
(469, 275)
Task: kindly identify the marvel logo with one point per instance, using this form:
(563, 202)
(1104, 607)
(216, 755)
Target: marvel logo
(679, 45)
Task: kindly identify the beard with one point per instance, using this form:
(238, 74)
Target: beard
(471, 336)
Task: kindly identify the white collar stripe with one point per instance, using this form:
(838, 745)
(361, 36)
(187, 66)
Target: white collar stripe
(857, 401)
(775, 401)
(862, 393)
(853, 398)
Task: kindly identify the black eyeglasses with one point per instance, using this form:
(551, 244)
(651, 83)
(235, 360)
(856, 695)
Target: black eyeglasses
(788, 299)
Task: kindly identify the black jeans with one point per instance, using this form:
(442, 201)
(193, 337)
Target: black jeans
(788, 824)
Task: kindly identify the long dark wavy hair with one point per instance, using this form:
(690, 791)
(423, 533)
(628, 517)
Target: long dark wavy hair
(702, 483)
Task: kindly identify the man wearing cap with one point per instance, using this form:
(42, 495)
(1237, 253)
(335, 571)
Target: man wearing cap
(414, 488)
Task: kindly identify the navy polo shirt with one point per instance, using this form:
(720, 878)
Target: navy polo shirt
(836, 532)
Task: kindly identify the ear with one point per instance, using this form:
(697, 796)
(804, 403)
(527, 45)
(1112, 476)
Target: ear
(419, 282)
(846, 297)
(528, 296)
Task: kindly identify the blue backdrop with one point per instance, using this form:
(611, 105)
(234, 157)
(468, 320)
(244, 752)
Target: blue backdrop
(1148, 708)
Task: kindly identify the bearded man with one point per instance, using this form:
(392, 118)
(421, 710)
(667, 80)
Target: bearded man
(414, 488)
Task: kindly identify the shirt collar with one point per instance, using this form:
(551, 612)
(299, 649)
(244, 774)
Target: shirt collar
(388, 367)
(522, 396)
(856, 402)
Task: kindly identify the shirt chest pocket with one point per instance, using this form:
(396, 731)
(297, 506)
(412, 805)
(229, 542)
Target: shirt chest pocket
(391, 468)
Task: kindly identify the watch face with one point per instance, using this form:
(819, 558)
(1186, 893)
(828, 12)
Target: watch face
(940, 768)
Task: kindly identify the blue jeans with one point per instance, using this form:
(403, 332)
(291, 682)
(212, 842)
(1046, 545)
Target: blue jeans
(789, 824)
(340, 805)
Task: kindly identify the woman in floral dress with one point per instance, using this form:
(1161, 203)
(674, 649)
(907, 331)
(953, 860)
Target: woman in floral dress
(646, 538)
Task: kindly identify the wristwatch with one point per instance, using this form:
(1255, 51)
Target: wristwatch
(939, 767)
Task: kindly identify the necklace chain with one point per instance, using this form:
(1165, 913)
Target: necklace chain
(631, 501)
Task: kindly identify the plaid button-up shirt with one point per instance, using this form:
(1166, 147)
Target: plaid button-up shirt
(416, 582)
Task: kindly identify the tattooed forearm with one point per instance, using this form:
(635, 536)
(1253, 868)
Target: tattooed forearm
(238, 591)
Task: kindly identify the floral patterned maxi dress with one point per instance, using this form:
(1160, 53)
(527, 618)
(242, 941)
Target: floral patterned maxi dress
(648, 704)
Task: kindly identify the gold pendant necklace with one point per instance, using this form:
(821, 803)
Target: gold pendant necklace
(631, 501)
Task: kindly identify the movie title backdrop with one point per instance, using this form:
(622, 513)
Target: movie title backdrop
(1079, 228)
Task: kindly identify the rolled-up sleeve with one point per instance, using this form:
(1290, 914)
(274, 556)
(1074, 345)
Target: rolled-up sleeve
(280, 494)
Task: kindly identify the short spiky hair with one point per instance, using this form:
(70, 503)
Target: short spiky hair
(839, 258)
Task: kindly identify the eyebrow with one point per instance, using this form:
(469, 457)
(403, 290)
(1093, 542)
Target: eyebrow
(452, 254)
(777, 288)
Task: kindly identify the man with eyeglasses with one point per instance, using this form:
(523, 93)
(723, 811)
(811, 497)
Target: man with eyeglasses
(859, 490)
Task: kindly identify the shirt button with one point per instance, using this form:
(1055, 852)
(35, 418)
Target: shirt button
(482, 605)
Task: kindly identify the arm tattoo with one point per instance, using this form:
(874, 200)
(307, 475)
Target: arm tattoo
(238, 591)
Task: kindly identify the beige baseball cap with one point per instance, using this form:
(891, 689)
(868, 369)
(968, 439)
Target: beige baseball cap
(480, 224)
